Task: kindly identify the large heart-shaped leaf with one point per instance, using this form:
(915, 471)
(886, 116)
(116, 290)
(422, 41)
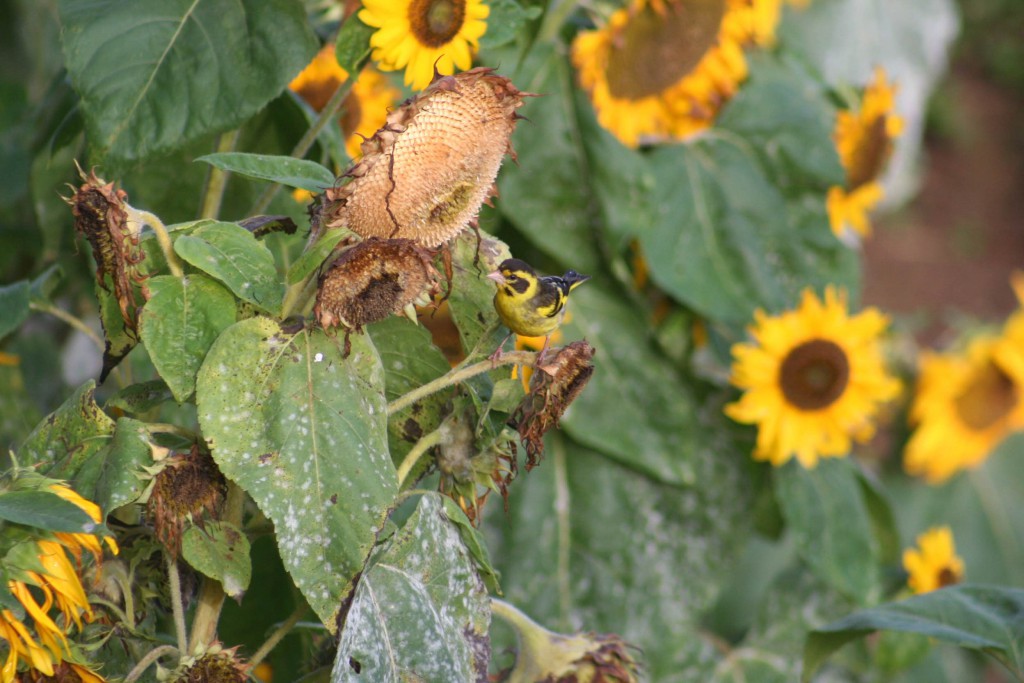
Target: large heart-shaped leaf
(304, 431)
(154, 75)
(421, 612)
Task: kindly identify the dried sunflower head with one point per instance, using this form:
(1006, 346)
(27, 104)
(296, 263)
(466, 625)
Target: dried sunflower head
(424, 175)
(372, 280)
(101, 217)
(558, 384)
(189, 487)
(216, 665)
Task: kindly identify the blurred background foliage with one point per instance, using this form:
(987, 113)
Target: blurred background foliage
(648, 518)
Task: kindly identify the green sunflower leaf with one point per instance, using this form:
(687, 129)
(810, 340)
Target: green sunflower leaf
(44, 510)
(180, 322)
(303, 431)
(588, 541)
(722, 240)
(219, 550)
(154, 75)
(418, 615)
(825, 510)
(69, 436)
(14, 300)
(232, 254)
(352, 47)
(289, 171)
(984, 618)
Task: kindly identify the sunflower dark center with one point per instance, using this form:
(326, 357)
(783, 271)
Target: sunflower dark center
(947, 577)
(656, 50)
(814, 374)
(870, 156)
(436, 22)
(987, 399)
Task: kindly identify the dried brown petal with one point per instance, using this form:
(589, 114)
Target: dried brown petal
(371, 281)
(101, 217)
(424, 175)
(189, 487)
(552, 389)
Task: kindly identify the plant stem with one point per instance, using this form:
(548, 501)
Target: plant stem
(217, 179)
(297, 296)
(416, 452)
(458, 375)
(177, 607)
(162, 238)
(149, 659)
(71, 320)
(280, 632)
(564, 538)
(328, 113)
(211, 592)
(552, 23)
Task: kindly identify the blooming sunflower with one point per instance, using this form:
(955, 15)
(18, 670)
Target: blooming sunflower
(419, 35)
(936, 564)
(965, 404)
(864, 141)
(663, 68)
(813, 380)
(42, 567)
(366, 107)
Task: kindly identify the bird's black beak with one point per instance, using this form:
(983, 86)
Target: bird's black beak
(574, 278)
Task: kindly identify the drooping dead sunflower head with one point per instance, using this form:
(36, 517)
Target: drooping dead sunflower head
(216, 665)
(100, 215)
(552, 390)
(372, 280)
(425, 174)
(188, 488)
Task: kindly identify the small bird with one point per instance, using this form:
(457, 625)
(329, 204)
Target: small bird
(531, 305)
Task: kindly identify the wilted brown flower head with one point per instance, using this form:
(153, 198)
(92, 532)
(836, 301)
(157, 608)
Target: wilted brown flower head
(557, 385)
(548, 657)
(372, 280)
(189, 487)
(425, 173)
(216, 665)
(100, 216)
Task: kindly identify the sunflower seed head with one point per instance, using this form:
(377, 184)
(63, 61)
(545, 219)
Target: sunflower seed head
(372, 280)
(424, 175)
(187, 490)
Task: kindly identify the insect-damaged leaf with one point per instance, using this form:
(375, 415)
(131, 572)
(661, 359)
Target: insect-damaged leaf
(68, 436)
(421, 612)
(304, 432)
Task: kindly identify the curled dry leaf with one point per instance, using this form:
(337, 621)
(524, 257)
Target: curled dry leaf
(101, 217)
(425, 173)
(552, 390)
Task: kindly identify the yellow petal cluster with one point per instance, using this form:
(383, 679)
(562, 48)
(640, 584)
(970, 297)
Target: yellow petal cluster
(934, 563)
(966, 403)
(813, 379)
(662, 69)
(421, 35)
(864, 140)
(44, 648)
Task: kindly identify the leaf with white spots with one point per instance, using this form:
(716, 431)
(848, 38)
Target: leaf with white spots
(232, 254)
(421, 613)
(304, 432)
(178, 324)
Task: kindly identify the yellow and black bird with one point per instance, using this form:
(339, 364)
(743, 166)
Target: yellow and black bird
(529, 304)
